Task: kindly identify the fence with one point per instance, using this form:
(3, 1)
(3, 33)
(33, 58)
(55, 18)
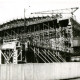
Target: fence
(42, 71)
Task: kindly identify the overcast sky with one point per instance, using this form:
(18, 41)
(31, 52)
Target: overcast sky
(13, 9)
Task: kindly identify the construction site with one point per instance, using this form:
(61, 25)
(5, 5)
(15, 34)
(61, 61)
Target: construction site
(45, 39)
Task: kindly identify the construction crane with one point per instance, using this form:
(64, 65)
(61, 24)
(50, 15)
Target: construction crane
(58, 11)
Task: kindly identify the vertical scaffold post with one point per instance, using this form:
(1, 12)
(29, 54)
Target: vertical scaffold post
(0, 56)
(15, 61)
(35, 56)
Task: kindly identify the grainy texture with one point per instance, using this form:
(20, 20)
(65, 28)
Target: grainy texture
(39, 71)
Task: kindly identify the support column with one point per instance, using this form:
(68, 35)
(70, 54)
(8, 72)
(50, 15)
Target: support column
(35, 56)
(0, 56)
(15, 60)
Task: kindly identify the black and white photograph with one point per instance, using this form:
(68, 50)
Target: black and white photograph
(39, 39)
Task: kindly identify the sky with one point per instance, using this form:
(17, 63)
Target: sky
(13, 9)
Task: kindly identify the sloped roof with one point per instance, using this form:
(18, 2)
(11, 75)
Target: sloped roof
(75, 24)
(20, 22)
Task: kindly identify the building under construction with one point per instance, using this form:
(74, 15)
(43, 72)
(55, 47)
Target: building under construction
(44, 39)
